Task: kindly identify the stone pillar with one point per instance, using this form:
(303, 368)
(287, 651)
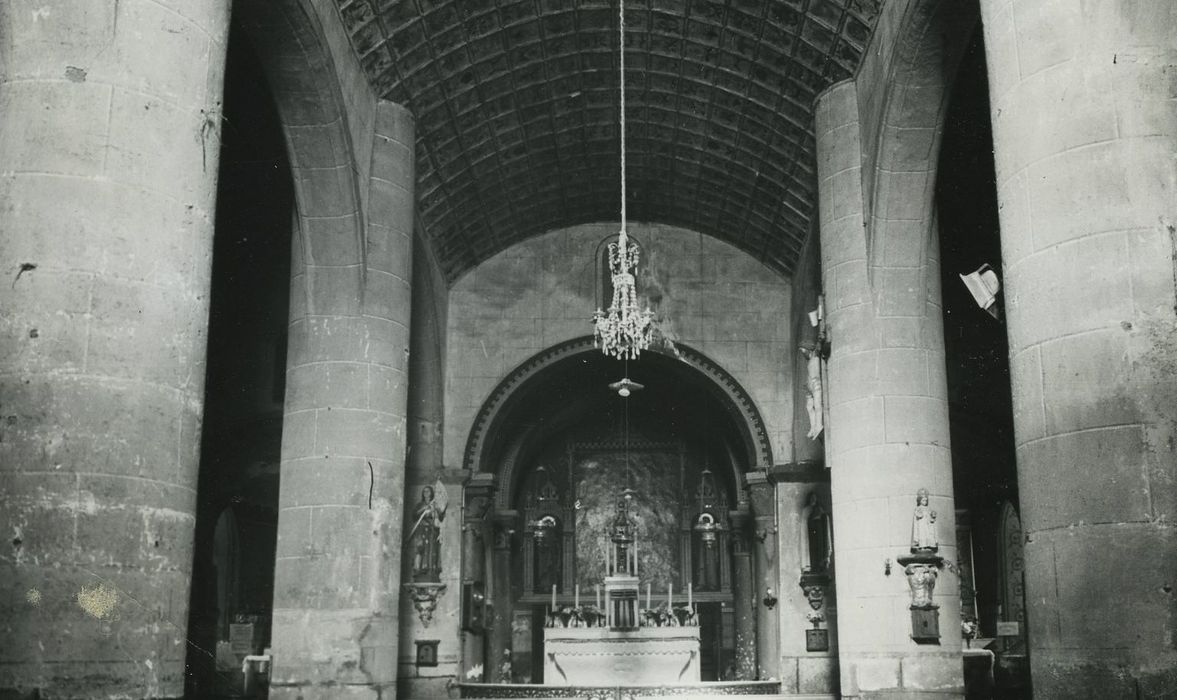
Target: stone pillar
(426, 364)
(108, 168)
(1085, 131)
(337, 575)
(476, 541)
(500, 595)
(762, 494)
(888, 431)
(744, 597)
(802, 671)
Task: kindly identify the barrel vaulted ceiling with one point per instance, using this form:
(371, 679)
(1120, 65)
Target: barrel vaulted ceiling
(516, 104)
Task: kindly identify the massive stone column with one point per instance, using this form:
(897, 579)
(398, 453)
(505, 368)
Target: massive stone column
(499, 642)
(477, 534)
(337, 576)
(744, 597)
(888, 430)
(108, 162)
(1085, 132)
(762, 494)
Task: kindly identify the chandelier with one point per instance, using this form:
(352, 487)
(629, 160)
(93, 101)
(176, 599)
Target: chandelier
(625, 329)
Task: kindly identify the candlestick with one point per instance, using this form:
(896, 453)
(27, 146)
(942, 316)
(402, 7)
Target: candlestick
(553, 597)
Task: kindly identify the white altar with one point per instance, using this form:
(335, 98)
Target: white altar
(599, 656)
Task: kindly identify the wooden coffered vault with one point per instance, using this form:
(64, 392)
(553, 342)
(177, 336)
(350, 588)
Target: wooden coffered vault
(517, 113)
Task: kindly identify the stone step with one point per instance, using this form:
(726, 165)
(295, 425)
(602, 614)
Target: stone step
(609, 694)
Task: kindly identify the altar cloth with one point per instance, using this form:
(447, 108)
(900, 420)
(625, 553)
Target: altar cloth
(599, 656)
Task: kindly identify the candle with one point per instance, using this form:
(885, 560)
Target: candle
(553, 597)
(598, 587)
(576, 596)
(670, 596)
(690, 594)
(649, 596)
(635, 557)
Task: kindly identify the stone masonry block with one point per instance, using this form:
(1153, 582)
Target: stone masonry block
(160, 147)
(334, 384)
(1084, 380)
(1097, 189)
(1026, 385)
(1059, 109)
(326, 191)
(389, 250)
(391, 205)
(298, 434)
(878, 470)
(873, 674)
(1046, 36)
(934, 671)
(916, 419)
(1094, 476)
(903, 371)
(355, 433)
(901, 291)
(1091, 561)
(387, 389)
(387, 296)
(161, 56)
(866, 415)
(857, 376)
(318, 146)
(316, 481)
(330, 241)
(35, 141)
(908, 195)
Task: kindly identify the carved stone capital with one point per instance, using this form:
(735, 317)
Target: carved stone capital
(922, 570)
(425, 597)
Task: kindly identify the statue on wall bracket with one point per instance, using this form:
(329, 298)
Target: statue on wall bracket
(922, 567)
(425, 535)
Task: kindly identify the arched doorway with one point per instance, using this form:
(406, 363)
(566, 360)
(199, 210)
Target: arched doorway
(562, 445)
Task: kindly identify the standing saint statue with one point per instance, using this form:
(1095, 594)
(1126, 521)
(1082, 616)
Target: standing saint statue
(923, 525)
(426, 535)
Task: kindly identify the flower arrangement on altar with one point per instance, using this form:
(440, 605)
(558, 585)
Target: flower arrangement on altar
(969, 630)
(665, 616)
(576, 616)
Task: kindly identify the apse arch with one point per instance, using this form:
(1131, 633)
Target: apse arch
(493, 446)
(291, 43)
(900, 187)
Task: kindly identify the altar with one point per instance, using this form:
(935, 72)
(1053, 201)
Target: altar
(622, 644)
(588, 656)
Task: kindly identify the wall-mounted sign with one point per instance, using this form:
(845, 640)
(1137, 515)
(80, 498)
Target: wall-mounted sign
(1012, 628)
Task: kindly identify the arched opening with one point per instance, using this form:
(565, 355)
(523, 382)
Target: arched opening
(237, 494)
(979, 397)
(564, 445)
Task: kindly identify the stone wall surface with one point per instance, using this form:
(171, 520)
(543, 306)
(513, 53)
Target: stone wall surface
(713, 298)
(1085, 132)
(108, 161)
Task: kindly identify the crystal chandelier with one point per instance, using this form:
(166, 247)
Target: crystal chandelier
(625, 329)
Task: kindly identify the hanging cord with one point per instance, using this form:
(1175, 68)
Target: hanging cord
(625, 403)
(621, 51)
